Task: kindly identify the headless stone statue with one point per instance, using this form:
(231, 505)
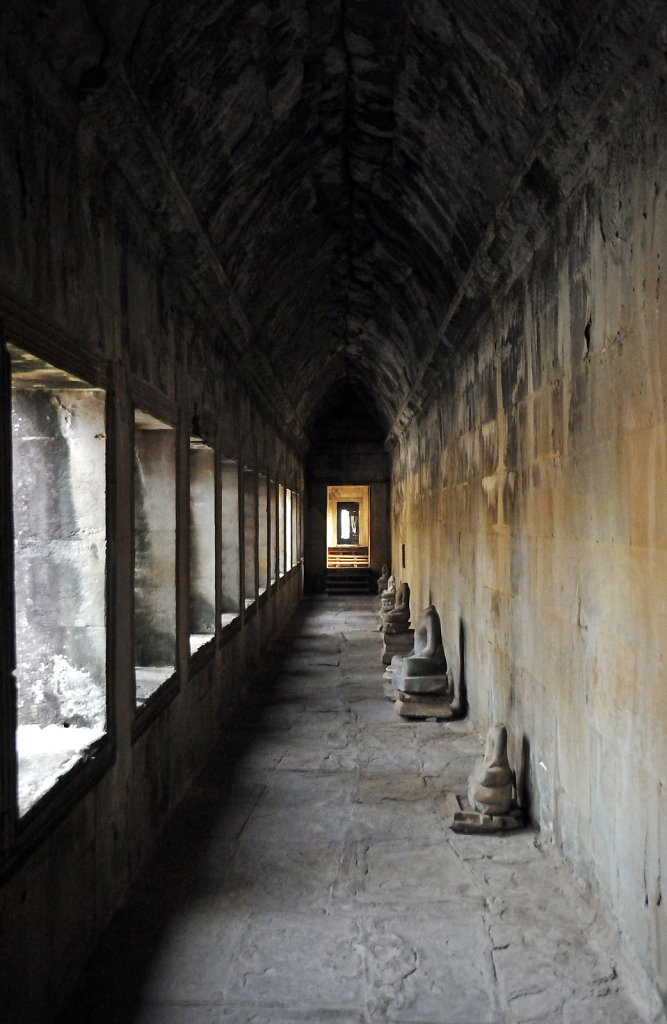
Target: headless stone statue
(387, 600)
(396, 632)
(490, 785)
(383, 579)
(397, 619)
(421, 682)
(490, 790)
(425, 670)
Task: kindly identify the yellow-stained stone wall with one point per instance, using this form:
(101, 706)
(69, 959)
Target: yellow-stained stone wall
(531, 496)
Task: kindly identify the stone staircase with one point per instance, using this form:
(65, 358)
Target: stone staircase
(348, 581)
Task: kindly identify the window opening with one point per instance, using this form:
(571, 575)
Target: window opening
(348, 522)
(273, 526)
(281, 530)
(202, 544)
(299, 528)
(295, 532)
(263, 531)
(288, 529)
(348, 526)
(59, 517)
(249, 533)
(154, 554)
(230, 554)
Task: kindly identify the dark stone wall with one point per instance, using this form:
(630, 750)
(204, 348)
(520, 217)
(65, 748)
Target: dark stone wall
(93, 280)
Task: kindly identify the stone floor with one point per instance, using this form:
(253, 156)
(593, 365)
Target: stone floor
(316, 878)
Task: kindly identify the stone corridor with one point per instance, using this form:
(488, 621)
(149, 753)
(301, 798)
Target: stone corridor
(311, 876)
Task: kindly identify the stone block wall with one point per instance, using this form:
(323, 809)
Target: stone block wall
(531, 495)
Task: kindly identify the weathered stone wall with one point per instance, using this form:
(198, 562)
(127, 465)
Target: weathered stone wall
(531, 496)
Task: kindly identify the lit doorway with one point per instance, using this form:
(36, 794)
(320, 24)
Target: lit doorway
(348, 527)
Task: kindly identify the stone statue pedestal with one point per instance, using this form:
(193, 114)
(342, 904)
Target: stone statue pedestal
(387, 676)
(433, 685)
(396, 644)
(475, 822)
(413, 705)
(387, 689)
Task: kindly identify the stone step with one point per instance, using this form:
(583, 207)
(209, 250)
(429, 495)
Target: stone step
(348, 581)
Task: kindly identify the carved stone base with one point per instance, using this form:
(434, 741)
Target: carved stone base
(397, 643)
(388, 690)
(474, 822)
(415, 705)
(436, 685)
(397, 628)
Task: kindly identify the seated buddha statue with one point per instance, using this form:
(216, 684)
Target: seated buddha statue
(421, 681)
(429, 654)
(397, 619)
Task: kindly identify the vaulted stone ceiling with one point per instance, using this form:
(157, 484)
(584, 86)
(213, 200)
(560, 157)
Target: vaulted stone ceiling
(362, 169)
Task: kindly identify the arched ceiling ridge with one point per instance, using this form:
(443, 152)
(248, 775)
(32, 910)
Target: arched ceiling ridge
(346, 178)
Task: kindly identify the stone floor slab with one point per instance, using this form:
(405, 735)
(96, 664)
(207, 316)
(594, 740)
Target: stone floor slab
(430, 966)
(299, 960)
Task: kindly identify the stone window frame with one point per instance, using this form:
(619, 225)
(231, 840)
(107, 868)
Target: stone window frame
(74, 356)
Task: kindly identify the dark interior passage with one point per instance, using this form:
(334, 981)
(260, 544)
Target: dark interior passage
(252, 253)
